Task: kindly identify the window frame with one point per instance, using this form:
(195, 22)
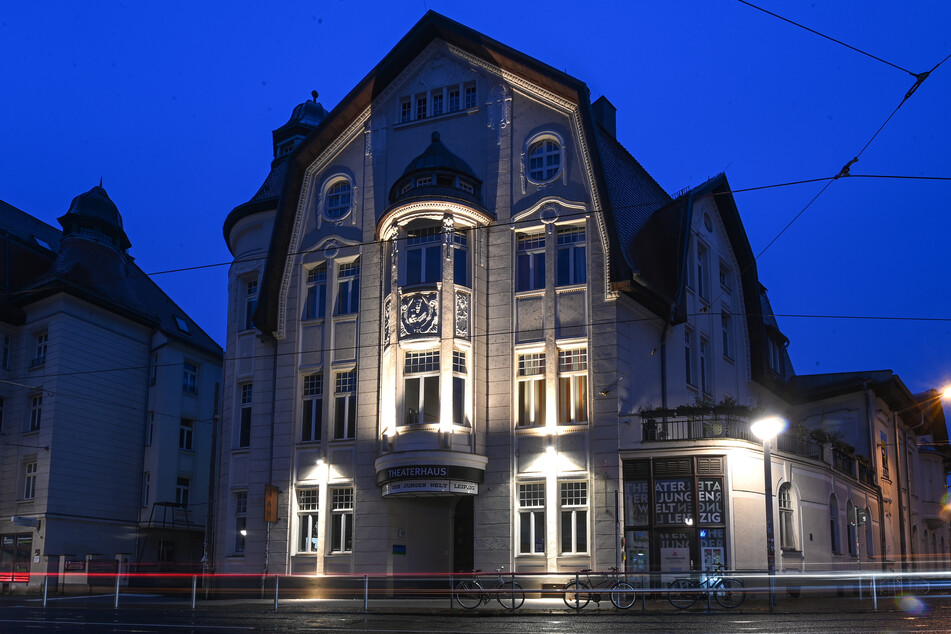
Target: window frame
(544, 147)
(41, 348)
(530, 270)
(250, 302)
(573, 373)
(36, 412)
(573, 518)
(338, 198)
(30, 470)
(182, 490)
(421, 369)
(186, 434)
(570, 255)
(315, 294)
(190, 371)
(240, 522)
(531, 518)
(308, 520)
(788, 528)
(312, 407)
(348, 288)
(345, 404)
(245, 409)
(531, 398)
(341, 520)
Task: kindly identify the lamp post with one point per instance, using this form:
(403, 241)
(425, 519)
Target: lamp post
(766, 429)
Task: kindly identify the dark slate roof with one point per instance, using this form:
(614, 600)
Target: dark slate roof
(432, 26)
(95, 272)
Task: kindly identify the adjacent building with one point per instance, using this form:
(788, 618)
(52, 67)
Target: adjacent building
(108, 405)
(467, 329)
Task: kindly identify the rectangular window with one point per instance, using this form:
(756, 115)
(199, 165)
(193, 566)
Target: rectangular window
(307, 520)
(182, 486)
(453, 100)
(190, 378)
(29, 480)
(186, 430)
(531, 518)
(244, 422)
(726, 277)
(423, 255)
(704, 370)
(5, 354)
(36, 411)
(153, 369)
(421, 387)
(574, 517)
(459, 372)
(149, 428)
(313, 407)
(703, 286)
(345, 404)
(250, 303)
(315, 304)
(571, 256)
(406, 111)
(688, 356)
(146, 488)
(348, 288)
(460, 259)
(437, 103)
(39, 352)
(530, 262)
(726, 327)
(341, 520)
(240, 521)
(883, 446)
(421, 107)
(531, 389)
(470, 94)
(573, 386)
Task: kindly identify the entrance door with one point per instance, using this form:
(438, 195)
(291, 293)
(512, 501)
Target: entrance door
(463, 551)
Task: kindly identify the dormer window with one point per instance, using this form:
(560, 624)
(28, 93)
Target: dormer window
(544, 160)
(182, 325)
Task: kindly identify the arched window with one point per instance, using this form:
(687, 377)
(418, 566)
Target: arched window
(834, 524)
(544, 160)
(788, 536)
(339, 200)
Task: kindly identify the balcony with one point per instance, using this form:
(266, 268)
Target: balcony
(713, 423)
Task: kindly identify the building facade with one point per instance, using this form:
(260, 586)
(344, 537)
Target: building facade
(108, 398)
(467, 329)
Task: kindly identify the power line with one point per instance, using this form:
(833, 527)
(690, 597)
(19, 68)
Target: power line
(832, 39)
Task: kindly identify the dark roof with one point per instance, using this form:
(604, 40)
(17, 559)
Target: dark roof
(431, 27)
(92, 271)
(95, 208)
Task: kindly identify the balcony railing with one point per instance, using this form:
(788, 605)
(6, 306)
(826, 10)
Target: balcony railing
(843, 462)
(711, 426)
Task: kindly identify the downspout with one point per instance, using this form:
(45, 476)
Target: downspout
(901, 516)
(270, 459)
(878, 486)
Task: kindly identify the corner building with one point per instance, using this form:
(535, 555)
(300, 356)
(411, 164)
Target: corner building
(456, 305)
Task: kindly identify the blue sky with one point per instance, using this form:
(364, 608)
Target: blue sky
(172, 104)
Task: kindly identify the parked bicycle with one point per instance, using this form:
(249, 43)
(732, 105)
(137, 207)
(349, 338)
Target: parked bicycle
(470, 593)
(898, 586)
(580, 591)
(728, 592)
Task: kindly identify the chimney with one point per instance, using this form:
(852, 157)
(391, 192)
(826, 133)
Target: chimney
(605, 114)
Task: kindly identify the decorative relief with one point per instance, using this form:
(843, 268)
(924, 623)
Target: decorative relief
(331, 249)
(419, 314)
(447, 229)
(386, 322)
(499, 105)
(462, 314)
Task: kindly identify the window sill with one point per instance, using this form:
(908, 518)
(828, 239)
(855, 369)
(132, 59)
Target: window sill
(529, 292)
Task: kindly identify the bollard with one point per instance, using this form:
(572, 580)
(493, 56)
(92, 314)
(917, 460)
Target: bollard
(366, 592)
(277, 582)
(115, 603)
(577, 593)
(46, 586)
(194, 589)
(874, 595)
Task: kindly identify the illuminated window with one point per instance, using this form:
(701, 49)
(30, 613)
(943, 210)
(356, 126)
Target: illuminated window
(531, 389)
(341, 520)
(421, 387)
(574, 517)
(531, 517)
(307, 519)
(573, 386)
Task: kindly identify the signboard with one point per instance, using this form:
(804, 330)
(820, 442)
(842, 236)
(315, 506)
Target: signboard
(447, 487)
(429, 471)
(637, 503)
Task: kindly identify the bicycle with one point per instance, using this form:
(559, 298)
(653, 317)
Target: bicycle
(899, 586)
(578, 593)
(684, 592)
(470, 593)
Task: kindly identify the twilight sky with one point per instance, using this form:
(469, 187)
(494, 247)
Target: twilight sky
(172, 104)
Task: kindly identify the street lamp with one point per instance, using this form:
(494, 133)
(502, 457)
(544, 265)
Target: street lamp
(766, 429)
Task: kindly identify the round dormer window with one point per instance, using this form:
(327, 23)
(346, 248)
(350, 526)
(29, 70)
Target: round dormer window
(544, 160)
(339, 200)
